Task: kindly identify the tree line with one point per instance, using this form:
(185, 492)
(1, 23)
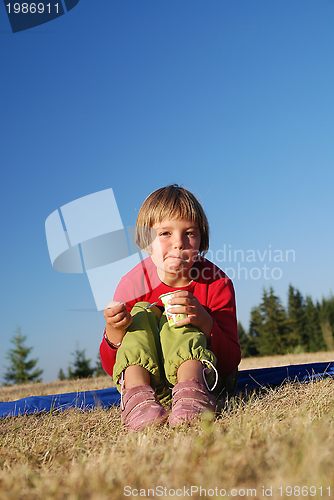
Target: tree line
(21, 370)
(304, 326)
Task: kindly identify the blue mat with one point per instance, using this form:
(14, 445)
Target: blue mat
(104, 398)
(262, 377)
(88, 400)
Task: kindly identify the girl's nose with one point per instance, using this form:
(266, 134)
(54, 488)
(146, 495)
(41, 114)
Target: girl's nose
(178, 242)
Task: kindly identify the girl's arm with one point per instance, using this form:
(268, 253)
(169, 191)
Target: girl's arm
(118, 319)
(224, 335)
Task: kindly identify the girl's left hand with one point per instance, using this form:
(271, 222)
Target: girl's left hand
(197, 314)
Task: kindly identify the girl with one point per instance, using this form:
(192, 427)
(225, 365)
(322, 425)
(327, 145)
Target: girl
(150, 360)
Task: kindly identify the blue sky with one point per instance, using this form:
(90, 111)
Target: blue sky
(232, 99)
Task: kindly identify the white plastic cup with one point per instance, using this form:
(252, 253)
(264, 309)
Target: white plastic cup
(171, 317)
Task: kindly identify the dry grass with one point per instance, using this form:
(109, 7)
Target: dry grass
(284, 437)
(286, 359)
(12, 393)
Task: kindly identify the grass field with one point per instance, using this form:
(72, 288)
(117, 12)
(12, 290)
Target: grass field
(278, 444)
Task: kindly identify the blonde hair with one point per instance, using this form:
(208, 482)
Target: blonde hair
(168, 203)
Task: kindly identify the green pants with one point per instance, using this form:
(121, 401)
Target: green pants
(159, 348)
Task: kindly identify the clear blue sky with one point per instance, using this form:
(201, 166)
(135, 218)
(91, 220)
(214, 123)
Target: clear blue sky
(231, 98)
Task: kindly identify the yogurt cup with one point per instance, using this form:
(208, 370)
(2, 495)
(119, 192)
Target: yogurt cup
(171, 317)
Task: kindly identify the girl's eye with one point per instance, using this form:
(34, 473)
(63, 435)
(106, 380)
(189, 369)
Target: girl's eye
(166, 233)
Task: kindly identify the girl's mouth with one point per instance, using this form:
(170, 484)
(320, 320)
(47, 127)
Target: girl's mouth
(175, 258)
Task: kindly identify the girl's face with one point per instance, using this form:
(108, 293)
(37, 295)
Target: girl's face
(174, 248)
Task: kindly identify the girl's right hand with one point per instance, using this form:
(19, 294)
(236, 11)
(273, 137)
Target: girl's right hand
(117, 316)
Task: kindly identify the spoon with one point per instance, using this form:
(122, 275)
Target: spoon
(146, 307)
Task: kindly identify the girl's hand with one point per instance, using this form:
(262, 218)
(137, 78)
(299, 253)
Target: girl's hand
(197, 314)
(118, 319)
(117, 316)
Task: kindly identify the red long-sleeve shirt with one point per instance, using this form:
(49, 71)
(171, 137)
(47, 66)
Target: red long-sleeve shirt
(212, 288)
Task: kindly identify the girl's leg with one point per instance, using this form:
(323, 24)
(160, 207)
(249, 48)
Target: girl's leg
(135, 375)
(185, 351)
(140, 349)
(192, 368)
(137, 371)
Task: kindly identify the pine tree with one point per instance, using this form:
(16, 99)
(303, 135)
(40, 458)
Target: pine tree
(255, 331)
(249, 340)
(98, 370)
(243, 341)
(61, 375)
(21, 370)
(274, 330)
(315, 340)
(81, 366)
(306, 327)
(297, 336)
(326, 314)
(327, 309)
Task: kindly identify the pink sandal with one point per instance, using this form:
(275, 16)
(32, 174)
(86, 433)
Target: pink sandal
(190, 400)
(141, 408)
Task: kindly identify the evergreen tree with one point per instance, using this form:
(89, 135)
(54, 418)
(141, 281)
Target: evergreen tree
(21, 370)
(327, 310)
(306, 327)
(248, 342)
(313, 333)
(297, 336)
(254, 333)
(326, 314)
(98, 370)
(81, 366)
(61, 375)
(243, 341)
(274, 329)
